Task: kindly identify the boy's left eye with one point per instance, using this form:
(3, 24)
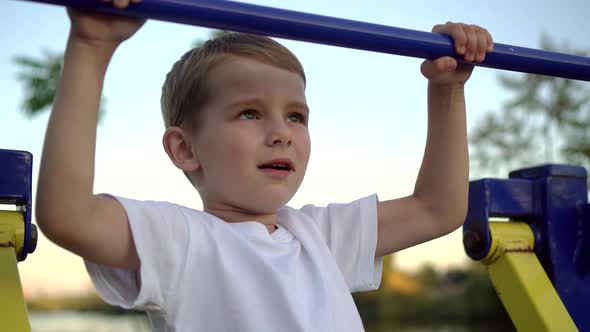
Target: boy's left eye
(296, 117)
(248, 115)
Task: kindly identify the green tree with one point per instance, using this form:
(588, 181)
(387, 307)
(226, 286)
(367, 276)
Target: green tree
(39, 77)
(545, 121)
(429, 277)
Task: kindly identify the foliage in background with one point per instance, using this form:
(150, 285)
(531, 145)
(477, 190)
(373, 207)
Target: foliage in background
(457, 297)
(453, 299)
(545, 121)
(40, 76)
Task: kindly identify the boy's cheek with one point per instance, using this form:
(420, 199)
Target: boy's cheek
(303, 148)
(303, 136)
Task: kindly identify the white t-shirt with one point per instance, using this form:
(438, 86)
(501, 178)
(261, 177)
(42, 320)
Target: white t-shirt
(199, 273)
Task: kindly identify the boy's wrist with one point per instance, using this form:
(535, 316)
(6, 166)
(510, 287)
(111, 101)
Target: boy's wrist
(95, 55)
(101, 48)
(448, 88)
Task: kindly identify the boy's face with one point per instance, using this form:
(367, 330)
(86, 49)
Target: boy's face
(253, 143)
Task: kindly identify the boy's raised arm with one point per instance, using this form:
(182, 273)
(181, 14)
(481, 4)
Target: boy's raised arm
(439, 203)
(67, 211)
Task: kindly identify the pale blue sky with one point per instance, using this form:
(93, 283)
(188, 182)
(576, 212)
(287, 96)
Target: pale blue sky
(368, 110)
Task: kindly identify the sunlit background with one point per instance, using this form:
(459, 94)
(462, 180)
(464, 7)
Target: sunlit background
(368, 110)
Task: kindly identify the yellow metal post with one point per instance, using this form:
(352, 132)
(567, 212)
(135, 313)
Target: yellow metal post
(13, 310)
(522, 284)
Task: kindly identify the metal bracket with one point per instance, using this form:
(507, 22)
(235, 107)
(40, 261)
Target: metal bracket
(552, 200)
(582, 251)
(16, 169)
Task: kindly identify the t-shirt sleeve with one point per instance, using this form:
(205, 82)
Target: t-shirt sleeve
(160, 233)
(350, 232)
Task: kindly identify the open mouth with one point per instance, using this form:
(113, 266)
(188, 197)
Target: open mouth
(277, 165)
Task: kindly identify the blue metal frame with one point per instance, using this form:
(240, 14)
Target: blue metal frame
(16, 169)
(237, 16)
(553, 200)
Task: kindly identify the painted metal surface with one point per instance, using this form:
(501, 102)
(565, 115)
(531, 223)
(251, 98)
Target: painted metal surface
(553, 200)
(494, 198)
(15, 189)
(238, 16)
(13, 310)
(522, 284)
(17, 236)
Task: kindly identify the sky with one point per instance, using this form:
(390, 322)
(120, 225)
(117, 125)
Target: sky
(368, 110)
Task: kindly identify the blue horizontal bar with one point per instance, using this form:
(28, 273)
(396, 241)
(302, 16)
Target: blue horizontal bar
(237, 16)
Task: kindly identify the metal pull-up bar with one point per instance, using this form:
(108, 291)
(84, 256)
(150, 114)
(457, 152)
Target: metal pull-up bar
(237, 16)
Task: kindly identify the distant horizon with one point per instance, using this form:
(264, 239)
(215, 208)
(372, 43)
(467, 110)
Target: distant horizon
(90, 290)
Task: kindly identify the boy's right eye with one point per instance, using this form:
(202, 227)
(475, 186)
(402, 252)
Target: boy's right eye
(248, 115)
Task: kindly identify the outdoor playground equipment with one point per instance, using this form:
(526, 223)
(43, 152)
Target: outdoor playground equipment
(18, 237)
(546, 294)
(539, 261)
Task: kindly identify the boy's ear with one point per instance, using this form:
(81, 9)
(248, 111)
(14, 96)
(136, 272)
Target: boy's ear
(178, 146)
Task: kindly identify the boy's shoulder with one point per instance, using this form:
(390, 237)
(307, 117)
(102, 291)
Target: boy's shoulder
(166, 211)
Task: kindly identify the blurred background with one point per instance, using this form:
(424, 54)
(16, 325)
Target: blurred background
(368, 128)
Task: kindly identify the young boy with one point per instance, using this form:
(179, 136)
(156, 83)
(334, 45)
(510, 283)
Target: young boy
(236, 125)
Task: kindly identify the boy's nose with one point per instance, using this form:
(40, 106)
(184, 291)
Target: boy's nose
(279, 134)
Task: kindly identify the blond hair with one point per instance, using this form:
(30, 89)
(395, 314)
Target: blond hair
(186, 89)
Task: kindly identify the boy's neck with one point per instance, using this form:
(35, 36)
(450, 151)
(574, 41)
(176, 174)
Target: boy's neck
(229, 215)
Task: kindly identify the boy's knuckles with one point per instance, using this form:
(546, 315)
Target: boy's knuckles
(482, 45)
(468, 28)
(442, 65)
(460, 39)
(454, 29)
(480, 56)
(485, 45)
(434, 68)
(490, 41)
(470, 40)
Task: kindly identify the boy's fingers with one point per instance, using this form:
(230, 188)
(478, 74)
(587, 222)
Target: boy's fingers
(471, 41)
(490, 41)
(435, 67)
(471, 51)
(482, 44)
(456, 32)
